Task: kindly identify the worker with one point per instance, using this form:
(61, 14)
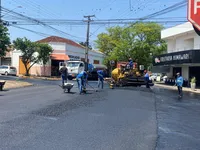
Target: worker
(100, 78)
(81, 79)
(64, 74)
(179, 84)
(130, 63)
(146, 76)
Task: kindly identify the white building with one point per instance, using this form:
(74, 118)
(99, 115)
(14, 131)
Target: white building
(63, 49)
(183, 52)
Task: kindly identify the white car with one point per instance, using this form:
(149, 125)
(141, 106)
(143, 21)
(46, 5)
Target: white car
(8, 70)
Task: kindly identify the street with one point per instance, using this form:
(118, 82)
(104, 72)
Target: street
(43, 117)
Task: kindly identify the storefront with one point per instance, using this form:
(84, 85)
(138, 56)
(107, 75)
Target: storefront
(186, 62)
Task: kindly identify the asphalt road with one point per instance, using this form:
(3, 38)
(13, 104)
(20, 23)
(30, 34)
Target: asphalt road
(43, 117)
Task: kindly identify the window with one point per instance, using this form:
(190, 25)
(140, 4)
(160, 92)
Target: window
(73, 64)
(81, 65)
(96, 61)
(12, 68)
(5, 67)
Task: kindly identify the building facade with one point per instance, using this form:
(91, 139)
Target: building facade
(6, 60)
(63, 50)
(183, 52)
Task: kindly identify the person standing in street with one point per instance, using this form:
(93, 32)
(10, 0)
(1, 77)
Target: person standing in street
(81, 79)
(64, 74)
(100, 78)
(179, 84)
(146, 76)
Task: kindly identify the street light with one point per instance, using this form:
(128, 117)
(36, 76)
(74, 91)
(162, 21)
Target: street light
(11, 11)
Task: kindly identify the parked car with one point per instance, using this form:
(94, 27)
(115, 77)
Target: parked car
(8, 70)
(154, 76)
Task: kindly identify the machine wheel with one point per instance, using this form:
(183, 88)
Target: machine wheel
(6, 73)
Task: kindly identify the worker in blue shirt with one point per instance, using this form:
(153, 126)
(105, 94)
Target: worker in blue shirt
(100, 78)
(129, 65)
(81, 79)
(179, 84)
(146, 77)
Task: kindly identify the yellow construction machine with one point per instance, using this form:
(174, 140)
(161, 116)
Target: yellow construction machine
(122, 75)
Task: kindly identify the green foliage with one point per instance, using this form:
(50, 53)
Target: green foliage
(193, 80)
(44, 51)
(4, 40)
(138, 41)
(32, 52)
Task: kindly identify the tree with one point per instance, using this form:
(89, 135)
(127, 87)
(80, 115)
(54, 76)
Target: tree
(44, 51)
(84, 44)
(4, 40)
(138, 41)
(32, 52)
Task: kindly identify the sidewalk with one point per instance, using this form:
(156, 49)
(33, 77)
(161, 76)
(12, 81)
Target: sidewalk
(15, 84)
(175, 88)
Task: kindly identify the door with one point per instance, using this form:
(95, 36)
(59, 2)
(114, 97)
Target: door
(194, 72)
(22, 69)
(176, 70)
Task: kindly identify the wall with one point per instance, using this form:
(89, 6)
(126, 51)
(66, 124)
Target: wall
(180, 38)
(15, 59)
(185, 72)
(92, 55)
(37, 69)
(177, 30)
(58, 46)
(183, 42)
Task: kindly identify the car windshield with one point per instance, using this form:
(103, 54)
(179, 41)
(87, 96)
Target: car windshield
(73, 64)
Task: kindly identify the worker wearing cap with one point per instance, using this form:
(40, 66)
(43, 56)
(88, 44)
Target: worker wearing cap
(179, 84)
(81, 79)
(100, 78)
(64, 74)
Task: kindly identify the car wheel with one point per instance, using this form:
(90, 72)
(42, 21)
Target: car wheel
(6, 73)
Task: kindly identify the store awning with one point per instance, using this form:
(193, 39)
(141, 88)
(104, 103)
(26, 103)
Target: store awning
(59, 57)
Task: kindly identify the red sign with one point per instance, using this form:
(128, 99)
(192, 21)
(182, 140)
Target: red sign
(194, 12)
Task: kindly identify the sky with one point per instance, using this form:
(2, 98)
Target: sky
(76, 9)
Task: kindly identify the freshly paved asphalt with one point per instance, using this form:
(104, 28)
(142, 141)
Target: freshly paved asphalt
(43, 117)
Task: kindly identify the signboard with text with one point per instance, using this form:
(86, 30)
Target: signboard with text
(174, 58)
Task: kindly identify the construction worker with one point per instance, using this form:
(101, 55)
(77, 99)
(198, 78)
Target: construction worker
(100, 78)
(146, 76)
(81, 79)
(64, 74)
(130, 63)
(179, 84)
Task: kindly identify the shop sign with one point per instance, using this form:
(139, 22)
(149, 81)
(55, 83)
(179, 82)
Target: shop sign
(72, 57)
(174, 57)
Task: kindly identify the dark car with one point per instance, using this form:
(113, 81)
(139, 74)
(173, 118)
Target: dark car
(93, 74)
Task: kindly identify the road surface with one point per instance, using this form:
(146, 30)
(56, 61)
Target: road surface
(43, 117)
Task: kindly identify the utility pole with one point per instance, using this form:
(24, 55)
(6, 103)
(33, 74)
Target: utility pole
(87, 40)
(0, 11)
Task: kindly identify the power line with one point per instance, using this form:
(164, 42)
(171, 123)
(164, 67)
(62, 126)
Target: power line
(39, 33)
(39, 22)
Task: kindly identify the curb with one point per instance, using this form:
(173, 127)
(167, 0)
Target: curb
(173, 88)
(5, 89)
